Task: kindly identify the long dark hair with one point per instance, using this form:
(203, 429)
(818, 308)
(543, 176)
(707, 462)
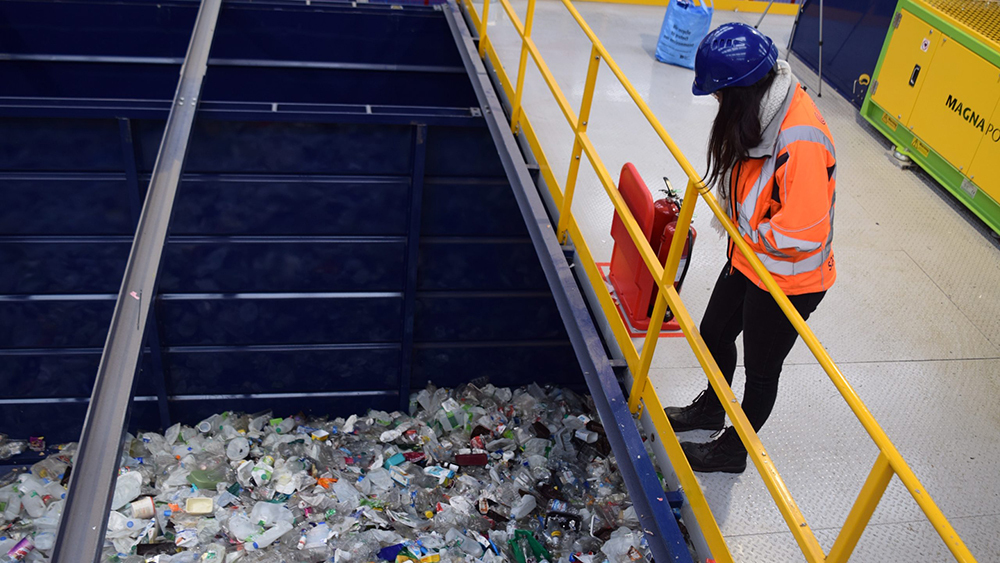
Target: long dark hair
(736, 129)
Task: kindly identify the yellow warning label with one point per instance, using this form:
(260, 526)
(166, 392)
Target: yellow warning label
(921, 148)
(889, 122)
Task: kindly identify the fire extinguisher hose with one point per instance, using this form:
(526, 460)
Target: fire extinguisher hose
(680, 282)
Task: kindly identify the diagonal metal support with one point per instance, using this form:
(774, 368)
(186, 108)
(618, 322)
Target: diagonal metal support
(85, 518)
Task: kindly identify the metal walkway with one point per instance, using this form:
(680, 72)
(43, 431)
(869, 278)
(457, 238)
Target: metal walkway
(913, 321)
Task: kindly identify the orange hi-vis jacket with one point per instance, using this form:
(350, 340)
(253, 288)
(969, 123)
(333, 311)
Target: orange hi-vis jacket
(785, 198)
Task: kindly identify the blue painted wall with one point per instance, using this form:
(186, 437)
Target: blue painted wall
(285, 275)
(853, 33)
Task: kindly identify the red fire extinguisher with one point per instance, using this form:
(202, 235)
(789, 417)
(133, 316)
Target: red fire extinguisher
(666, 211)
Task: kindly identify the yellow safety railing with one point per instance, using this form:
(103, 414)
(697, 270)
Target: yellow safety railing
(889, 461)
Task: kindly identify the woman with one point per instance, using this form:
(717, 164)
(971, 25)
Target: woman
(771, 160)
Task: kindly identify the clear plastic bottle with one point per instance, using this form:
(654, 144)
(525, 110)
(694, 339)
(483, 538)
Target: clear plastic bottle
(32, 492)
(268, 537)
(10, 501)
(524, 506)
(269, 513)
(238, 449)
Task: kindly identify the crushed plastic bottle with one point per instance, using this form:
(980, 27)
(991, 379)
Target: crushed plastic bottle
(472, 474)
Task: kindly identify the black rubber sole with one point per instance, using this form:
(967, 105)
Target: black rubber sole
(720, 469)
(679, 426)
(697, 464)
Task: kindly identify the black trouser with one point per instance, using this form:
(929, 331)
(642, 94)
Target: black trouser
(737, 305)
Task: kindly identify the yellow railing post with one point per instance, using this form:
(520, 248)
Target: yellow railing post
(482, 28)
(581, 127)
(515, 108)
(686, 478)
(861, 512)
(681, 233)
(641, 377)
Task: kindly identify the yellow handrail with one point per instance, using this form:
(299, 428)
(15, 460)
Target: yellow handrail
(889, 461)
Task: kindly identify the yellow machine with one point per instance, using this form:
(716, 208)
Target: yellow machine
(936, 95)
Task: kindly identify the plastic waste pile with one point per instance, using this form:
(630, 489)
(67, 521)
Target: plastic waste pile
(478, 473)
(10, 448)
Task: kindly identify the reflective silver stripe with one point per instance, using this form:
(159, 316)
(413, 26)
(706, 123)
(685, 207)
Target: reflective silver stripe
(765, 228)
(804, 133)
(745, 229)
(833, 207)
(785, 241)
(785, 268)
(748, 206)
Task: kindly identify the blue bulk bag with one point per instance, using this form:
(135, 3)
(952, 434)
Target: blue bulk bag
(684, 26)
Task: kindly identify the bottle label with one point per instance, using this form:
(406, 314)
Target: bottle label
(557, 505)
(21, 550)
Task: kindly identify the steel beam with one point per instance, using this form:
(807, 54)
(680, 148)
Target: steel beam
(412, 254)
(85, 517)
(245, 63)
(88, 108)
(135, 206)
(652, 506)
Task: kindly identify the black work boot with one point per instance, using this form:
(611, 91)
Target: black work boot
(725, 454)
(705, 413)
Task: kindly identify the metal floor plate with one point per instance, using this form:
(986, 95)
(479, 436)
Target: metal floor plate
(913, 320)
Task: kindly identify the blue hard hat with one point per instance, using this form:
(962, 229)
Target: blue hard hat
(733, 54)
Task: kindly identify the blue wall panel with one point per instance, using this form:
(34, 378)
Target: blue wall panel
(56, 323)
(143, 29)
(202, 321)
(284, 148)
(479, 264)
(375, 87)
(468, 207)
(58, 373)
(853, 33)
(64, 205)
(328, 368)
(32, 79)
(63, 266)
(58, 144)
(318, 205)
(479, 154)
(334, 34)
(484, 317)
(296, 265)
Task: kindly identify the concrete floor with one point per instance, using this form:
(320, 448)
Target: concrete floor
(913, 320)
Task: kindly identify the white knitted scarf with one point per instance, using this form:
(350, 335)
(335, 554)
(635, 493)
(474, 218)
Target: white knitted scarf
(770, 104)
